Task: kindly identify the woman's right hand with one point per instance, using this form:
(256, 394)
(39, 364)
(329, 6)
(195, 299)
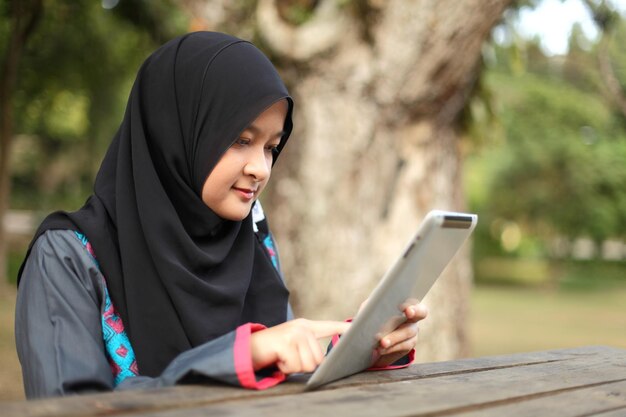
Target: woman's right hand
(293, 346)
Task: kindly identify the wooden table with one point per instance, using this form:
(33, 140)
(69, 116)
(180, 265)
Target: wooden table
(586, 381)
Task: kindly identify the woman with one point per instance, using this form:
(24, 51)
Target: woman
(169, 272)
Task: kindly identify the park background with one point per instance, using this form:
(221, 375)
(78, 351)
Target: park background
(538, 141)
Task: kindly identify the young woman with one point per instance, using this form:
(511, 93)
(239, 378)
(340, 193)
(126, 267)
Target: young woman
(169, 271)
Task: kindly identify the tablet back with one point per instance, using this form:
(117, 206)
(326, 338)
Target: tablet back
(437, 240)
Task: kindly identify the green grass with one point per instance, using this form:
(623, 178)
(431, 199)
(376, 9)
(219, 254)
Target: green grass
(588, 275)
(520, 319)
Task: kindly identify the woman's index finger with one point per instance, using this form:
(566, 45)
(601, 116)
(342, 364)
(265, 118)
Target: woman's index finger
(325, 328)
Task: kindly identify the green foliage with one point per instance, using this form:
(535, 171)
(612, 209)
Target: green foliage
(298, 15)
(564, 156)
(551, 155)
(296, 12)
(73, 82)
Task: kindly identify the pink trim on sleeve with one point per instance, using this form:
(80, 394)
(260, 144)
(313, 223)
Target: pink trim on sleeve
(243, 360)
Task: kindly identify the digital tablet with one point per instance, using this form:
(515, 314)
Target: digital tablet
(424, 258)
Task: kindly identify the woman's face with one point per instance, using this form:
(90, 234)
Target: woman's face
(244, 170)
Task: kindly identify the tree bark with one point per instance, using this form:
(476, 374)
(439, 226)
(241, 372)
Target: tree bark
(24, 18)
(614, 88)
(376, 145)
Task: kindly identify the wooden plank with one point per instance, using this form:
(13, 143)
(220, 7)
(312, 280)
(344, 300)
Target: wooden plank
(445, 395)
(597, 400)
(189, 397)
(613, 413)
(437, 369)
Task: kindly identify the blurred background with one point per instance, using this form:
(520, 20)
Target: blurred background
(514, 110)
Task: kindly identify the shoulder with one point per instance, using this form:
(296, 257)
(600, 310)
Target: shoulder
(63, 258)
(60, 245)
(57, 238)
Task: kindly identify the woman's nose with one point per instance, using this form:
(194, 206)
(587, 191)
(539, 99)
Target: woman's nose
(258, 165)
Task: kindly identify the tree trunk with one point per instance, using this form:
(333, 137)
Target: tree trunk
(607, 20)
(379, 88)
(24, 18)
(614, 89)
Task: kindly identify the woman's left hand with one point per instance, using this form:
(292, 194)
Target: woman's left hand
(403, 339)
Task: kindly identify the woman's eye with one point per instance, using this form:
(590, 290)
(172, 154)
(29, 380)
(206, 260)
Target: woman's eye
(242, 141)
(273, 149)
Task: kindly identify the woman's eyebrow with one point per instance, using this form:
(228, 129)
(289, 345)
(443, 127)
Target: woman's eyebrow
(256, 130)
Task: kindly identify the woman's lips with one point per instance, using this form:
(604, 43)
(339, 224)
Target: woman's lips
(246, 193)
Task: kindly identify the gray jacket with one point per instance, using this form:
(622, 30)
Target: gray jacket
(58, 330)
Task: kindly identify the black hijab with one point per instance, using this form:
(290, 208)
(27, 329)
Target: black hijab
(178, 274)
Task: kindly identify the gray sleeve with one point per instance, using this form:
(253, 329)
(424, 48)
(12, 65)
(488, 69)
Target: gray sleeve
(213, 360)
(57, 320)
(58, 328)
